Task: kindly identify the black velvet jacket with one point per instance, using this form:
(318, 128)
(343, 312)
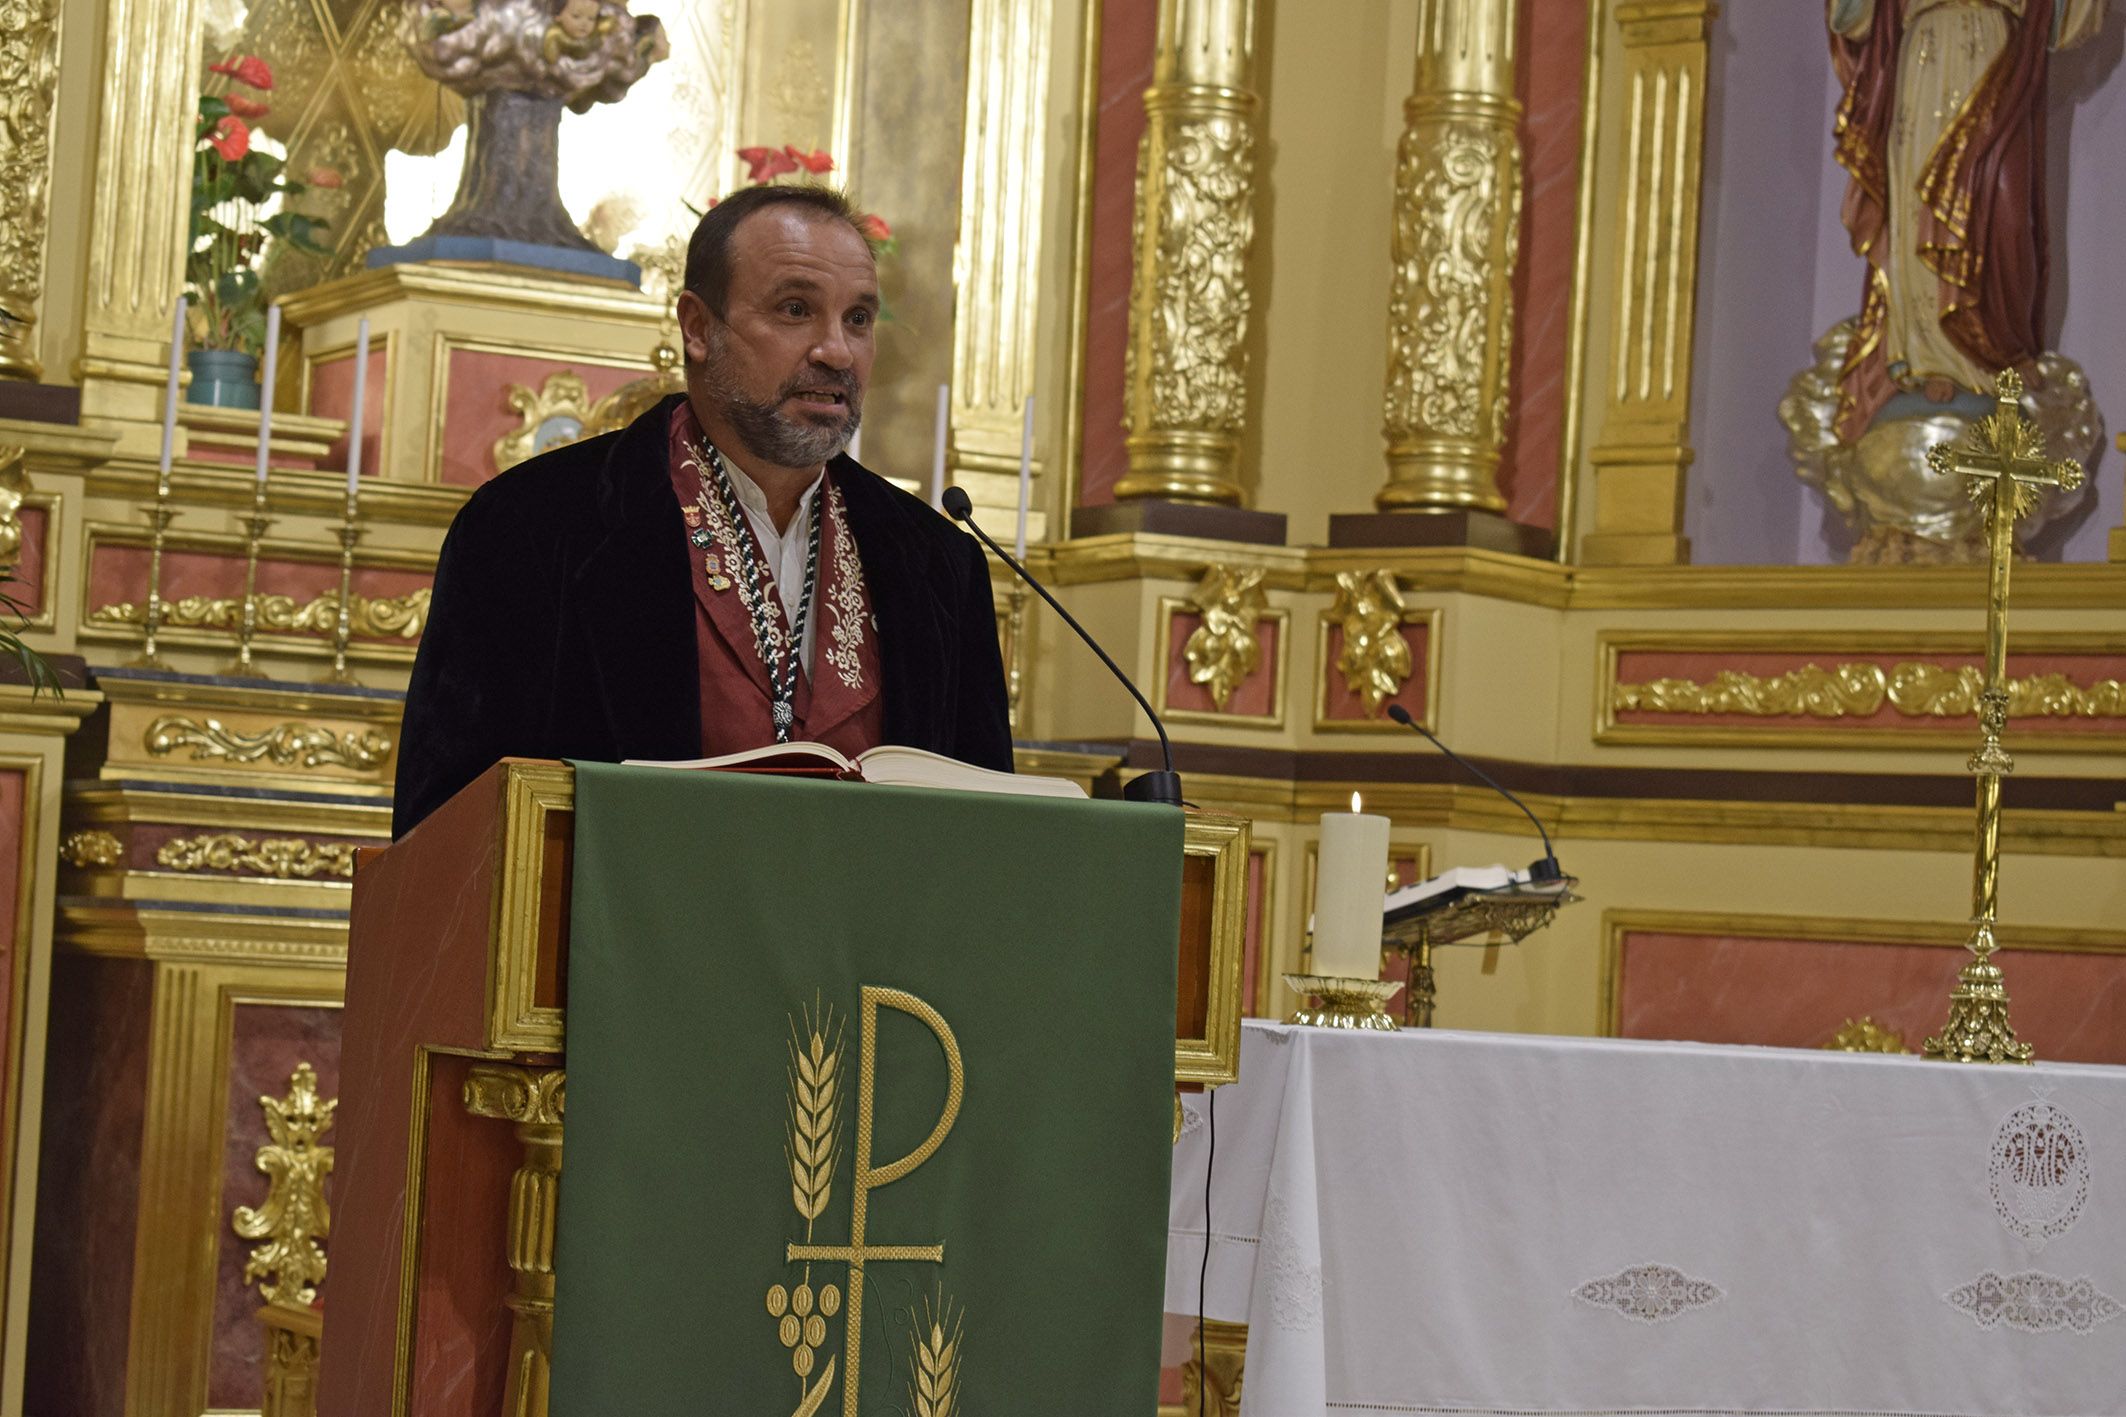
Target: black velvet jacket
(563, 622)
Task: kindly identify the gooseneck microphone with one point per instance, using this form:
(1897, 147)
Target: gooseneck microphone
(1546, 869)
(1163, 786)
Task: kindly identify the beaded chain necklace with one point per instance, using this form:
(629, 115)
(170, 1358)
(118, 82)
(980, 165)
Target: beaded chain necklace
(756, 585)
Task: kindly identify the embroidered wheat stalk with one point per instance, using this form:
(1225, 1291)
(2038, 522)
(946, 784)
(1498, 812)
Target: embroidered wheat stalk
(934, 1378)
(812, 1132)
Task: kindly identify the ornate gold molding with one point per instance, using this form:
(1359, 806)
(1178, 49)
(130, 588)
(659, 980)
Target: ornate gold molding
(85, 849)
(299, 745)
(14, 462)
(284, 858)
(29, 58)
(1375, 658)
(1864, 1035)
(1456, 237)
(291, 1263)
(1913, 689)
(533, 1098)
(1186, 368)
(1644, 452)
(292, 1350)
(399, 616)
(1223, 651)
(563, 400)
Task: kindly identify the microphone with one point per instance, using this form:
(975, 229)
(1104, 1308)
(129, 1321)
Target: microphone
(1546, 869)
(1163, 786)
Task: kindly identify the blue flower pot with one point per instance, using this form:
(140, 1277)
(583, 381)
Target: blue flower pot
(225, 378)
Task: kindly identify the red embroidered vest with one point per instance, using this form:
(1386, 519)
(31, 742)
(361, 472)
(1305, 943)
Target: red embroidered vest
(839, 702)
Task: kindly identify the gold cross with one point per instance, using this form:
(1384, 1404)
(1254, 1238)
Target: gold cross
(2007, 464)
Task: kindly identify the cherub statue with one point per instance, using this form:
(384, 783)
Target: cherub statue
(519, 62)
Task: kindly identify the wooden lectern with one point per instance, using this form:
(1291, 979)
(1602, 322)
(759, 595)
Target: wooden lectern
(441, 1297)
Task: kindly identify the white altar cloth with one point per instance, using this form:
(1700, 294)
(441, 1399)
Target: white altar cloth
(1454, 1222)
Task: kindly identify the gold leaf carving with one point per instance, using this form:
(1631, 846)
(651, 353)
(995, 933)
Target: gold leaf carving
(14, 486)
(286, 858)
(1223, 651)
(29, 76)
(1195, 302)
(295, 1216)
(1375, 659)
(91, 848)
(1864, 1035)
(400, 616)
(553, 416)
(288, 744)
(527, 1096)
(1444, 295)
(1914, 689)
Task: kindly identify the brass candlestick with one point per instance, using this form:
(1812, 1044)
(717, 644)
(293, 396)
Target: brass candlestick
(159, 517)
(2006, 464)
(1345, 1003)
(254, 524)
(343, 624)
(1014, 640)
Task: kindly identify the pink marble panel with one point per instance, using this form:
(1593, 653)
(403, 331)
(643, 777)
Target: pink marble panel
(1796, 993)
(95, 1100)
(1253, 697)
(332, 396)
(2083, 669)
(120, 573)
(1340, 705)
(1553, 42)
(26, 586)
(476, 409)
(265, 1044)
(1126, 42)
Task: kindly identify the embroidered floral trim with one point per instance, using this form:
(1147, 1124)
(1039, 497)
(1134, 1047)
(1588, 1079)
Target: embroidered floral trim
(2034, 1302)
(1295, 1285)
(1648, 1292)
(844, 598)
(2039, 1172)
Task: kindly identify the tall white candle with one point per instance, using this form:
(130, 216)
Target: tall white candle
(169, 395)
(1025, 478)
(354, 418)
(265, 390)
(1349, 893)
(937, 456)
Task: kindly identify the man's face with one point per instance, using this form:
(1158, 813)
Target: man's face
(784, 369)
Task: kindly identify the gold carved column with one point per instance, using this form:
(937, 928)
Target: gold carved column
(997, 261)
(29, 52)
(1457, 232)
(1644, 453)
(1188, 307)
(534, 1099)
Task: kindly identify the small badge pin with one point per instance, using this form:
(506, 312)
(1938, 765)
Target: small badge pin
(713, 564)
(693, 516)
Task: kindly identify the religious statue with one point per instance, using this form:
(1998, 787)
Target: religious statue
(518, 62)
(1942, 130)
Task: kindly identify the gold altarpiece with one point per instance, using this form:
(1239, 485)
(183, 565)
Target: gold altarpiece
(182, 842)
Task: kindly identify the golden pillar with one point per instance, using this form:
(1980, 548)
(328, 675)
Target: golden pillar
(1644, 453)
(29, 48)
(1457, 233)
(1188, 305)
(140, 207)
(997, 263)
(535, 1099)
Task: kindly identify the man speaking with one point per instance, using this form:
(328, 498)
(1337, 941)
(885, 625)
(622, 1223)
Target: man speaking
(717, 576)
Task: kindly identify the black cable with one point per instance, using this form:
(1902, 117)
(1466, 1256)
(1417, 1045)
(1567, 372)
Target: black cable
(1203, 1275)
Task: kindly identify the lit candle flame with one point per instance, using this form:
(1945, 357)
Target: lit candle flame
(1355, 802)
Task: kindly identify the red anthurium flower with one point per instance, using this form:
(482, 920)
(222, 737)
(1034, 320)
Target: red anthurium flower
(816, 161)
(766, 164)
(875, 228)
(244, 107)
(250, 70)
(231, 138)
(325, 177)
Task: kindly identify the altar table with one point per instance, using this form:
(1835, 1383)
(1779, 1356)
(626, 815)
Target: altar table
(1432, 1221)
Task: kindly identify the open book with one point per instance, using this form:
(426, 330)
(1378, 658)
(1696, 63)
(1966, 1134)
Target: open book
(1449, 886)
(888, 765)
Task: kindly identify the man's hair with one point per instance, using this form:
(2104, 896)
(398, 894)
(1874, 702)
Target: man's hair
(708, 272)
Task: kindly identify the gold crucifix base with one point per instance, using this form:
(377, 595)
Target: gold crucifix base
(1978, 1030)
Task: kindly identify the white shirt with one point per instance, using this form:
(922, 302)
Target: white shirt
(785, 552)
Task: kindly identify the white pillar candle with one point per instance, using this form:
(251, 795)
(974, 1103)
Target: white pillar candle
(265, 390)
(1025, 478)
(1349, 898)
(354, 419)
(169, 395)
(937, 457)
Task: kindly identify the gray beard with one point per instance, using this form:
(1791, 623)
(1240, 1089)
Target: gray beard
(764, 430)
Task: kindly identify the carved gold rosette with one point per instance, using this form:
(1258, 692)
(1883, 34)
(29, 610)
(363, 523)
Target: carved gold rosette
(29, 69)
(1186, 370)
(1223, 650)
(1456, 237)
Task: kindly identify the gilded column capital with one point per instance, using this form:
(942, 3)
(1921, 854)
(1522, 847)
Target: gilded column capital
(29, 56)
(1186, 369)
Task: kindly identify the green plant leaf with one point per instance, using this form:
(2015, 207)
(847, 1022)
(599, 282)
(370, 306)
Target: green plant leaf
(212, 109)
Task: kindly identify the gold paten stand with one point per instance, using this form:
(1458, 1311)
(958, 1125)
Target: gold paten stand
(2006, 463)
